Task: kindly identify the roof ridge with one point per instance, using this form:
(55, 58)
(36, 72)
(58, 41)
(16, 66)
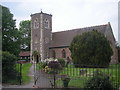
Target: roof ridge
(81, 28)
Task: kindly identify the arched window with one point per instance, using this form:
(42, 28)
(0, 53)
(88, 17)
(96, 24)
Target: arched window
(63, 54)
(36, 23)
(53, 54)
(46, 23)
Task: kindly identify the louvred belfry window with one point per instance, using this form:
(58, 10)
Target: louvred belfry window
(36, 23)
(46, 23)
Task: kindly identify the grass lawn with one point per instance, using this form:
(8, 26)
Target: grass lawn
(25, 72)
(78, 80)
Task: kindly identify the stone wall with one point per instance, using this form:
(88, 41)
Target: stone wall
(110, 37)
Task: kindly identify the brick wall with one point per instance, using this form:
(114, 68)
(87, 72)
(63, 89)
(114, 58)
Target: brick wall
(58, 52)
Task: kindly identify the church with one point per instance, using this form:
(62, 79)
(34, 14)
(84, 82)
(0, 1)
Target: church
(50, 44)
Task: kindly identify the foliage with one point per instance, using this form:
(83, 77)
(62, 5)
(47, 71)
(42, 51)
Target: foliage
(118, 47)
(39, 66)
(54, 65)
(8, 67)
(35, 53)
(66, 81)
(78, 80)
(25, 30)
(47, 60)
(11, 37)
(99, 81)
(43, 64)
(51, 65)
(61, 61)
(65, 78)
(91, 49)
(25, 71)
(47, 69)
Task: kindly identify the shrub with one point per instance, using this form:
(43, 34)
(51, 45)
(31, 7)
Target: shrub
(47, 69)
(61, 61)
(9, 72)
(43, 64)
(99, 81)
(54, 65)
(91, 49)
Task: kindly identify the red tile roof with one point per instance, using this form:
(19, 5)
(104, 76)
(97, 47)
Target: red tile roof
(24, 53)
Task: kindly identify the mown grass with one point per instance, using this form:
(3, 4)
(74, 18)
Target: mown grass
(78, 80)
(25, 72)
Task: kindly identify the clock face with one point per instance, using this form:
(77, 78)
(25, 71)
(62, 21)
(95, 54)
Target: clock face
(46, 40)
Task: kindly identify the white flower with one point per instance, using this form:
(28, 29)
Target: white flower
(56, 60)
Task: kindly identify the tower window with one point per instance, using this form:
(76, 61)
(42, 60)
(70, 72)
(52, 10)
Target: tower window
(63, 53)
(36, 23)
(46, 24)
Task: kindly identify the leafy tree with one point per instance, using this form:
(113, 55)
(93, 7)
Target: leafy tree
(25, 30)
(10, 34)
(91, 49)
(8, 67)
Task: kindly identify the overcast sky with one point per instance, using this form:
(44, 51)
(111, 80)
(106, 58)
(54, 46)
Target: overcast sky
(68, 14)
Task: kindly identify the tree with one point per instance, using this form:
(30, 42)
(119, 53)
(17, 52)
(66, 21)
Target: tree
(91, 49)
(8, 67)
(25, 30)
(10, 34)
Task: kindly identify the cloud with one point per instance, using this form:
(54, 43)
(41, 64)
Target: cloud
(69, 14)
(45, 1)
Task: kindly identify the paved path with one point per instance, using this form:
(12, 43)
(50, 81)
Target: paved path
(44, 80)
(29, 85)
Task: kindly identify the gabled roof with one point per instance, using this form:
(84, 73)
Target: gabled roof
(64, 38)
(24, 53)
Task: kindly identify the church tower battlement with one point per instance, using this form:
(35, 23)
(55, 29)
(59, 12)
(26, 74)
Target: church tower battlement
(41, 34)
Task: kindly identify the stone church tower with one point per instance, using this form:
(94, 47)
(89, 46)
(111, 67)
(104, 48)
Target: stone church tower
(41, 34)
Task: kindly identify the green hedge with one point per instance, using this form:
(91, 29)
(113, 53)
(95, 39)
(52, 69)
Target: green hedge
(9, 73)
